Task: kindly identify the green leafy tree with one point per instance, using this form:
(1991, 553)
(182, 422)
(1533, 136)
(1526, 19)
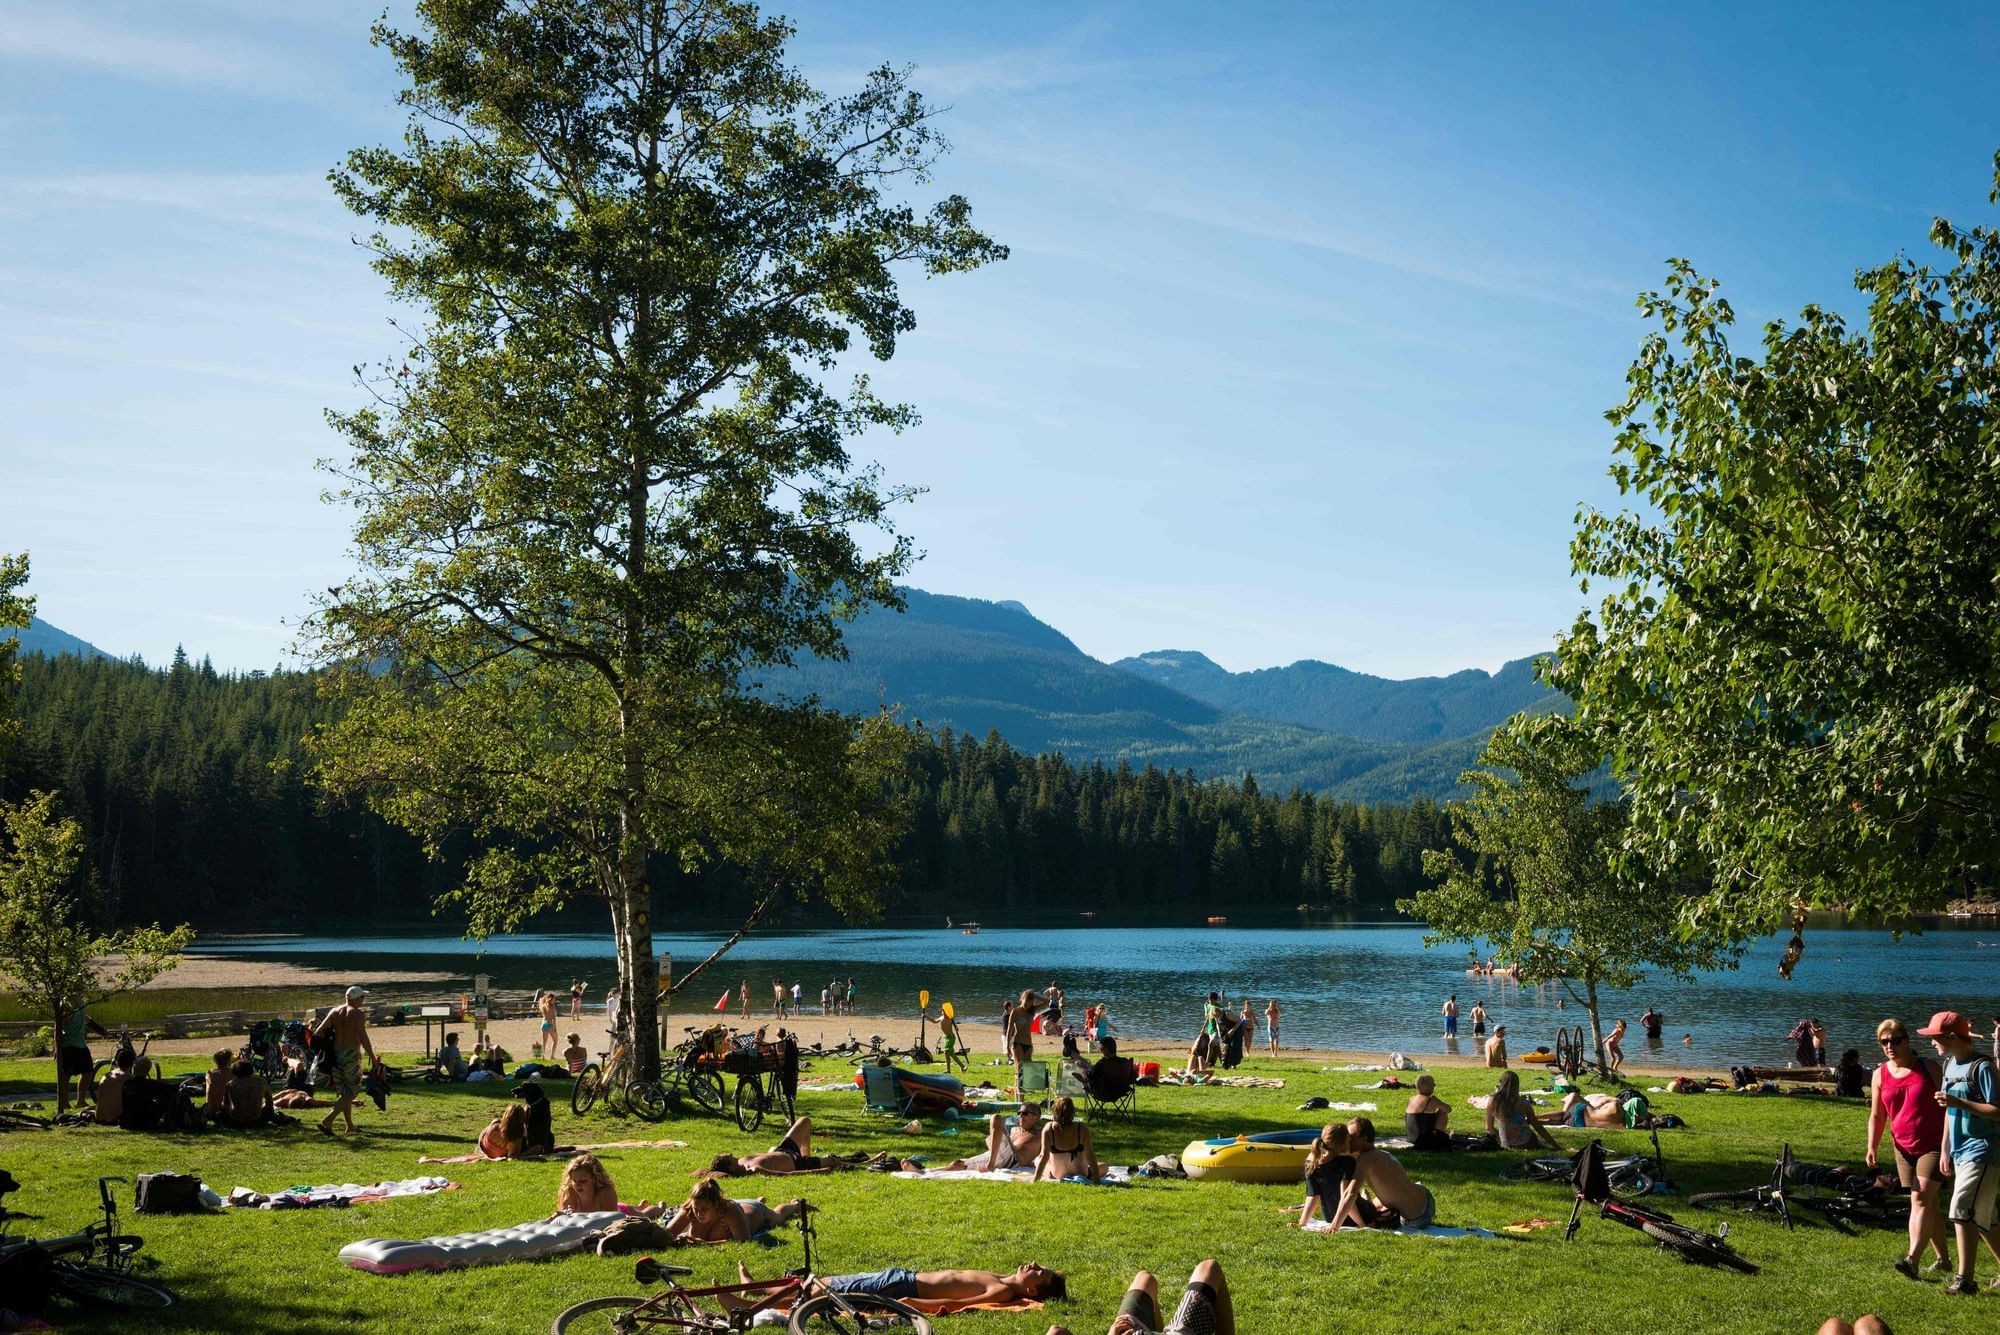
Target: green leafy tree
(1541, 877)
(608, 484)
(53, 957)
(1793, 666)
(16, 611)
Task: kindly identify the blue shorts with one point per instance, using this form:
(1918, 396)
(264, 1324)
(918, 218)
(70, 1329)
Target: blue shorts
(895, 1282)
(1427, 1216)
(1451, 1025)
(1580, 1114)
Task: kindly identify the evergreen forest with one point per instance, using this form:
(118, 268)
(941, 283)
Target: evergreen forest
(192, 789)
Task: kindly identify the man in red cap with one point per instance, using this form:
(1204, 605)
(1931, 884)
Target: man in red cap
(1972, 1105)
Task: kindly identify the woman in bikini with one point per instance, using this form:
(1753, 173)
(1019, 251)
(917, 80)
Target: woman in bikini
(1066, 1147)
(1332, 1190)
(506, 1136)
(1511, 1118)
(711, 1217)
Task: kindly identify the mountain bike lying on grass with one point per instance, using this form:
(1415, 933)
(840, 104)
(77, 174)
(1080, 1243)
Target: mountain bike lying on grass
(1592, 1187)
(1630, 1176)
(1840, 1197)
(815, 1311)
(88, 1267)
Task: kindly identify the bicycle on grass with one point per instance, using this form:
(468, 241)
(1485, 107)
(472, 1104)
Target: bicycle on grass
(125, 1053)
(1843, 1199)
(91, 1267)
(1593, 1188)
(815, 1310)
(1630, 1176)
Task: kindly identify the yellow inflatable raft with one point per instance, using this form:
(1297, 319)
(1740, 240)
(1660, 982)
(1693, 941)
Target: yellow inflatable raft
(1274, 1156)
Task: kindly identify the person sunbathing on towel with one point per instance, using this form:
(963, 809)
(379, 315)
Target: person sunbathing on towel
(710, 1217)
(791, 1155)
(1017, 1146)
(1204, 1307)
(1386, 1180)
(1600, 1110)
(965, 1288)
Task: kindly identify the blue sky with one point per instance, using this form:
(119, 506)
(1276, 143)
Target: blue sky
(1312, 313)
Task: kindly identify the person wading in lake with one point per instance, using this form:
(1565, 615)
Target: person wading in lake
(348, 1024)
(1271, 1024)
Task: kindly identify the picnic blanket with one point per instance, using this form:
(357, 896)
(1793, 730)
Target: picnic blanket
(830, 1087)
(1232, 1081)
(1434, 1231)
(1113, 1177)
(346, 1193)
(560, 1151)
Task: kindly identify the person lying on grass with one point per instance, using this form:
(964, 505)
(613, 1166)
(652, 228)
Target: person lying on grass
(794, 1155)
(1066, 1147)
(1030, 1283)
(1626, 1108)
(1204, 1307)
(710, 1217)
(586, 1188)
(1014, 1146)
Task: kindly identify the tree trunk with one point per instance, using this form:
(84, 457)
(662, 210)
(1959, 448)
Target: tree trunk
(62, 1085)
(638, 972)
(1596, 1028)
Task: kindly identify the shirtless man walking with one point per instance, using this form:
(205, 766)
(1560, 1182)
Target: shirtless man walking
(1496, 1048)
(348, 1023)
(1271, 1024)
(1387, 1180)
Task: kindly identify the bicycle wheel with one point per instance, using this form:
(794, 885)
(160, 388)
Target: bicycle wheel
(1631, 1183)
(850, 1313)
(647, 1100)
(706, 1089)
(583, 1094)
(1544, 1169)
(94, 1286)
(598, 1315)
(1748, 1201)
(749, 1103)
(1700, 1248)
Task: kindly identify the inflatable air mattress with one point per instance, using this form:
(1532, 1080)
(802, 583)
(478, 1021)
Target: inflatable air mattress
(1274, 1156)
(522, 1242)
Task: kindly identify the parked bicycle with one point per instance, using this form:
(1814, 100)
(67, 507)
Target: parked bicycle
(814, 1310)
(1570, 1058)
(605, 1080)
(1840, 1197)
(1593, 1188)
(91, 1267)
(1630, 1176)
(125, 1053)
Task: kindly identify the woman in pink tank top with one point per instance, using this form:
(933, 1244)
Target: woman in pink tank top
(1902, 1098)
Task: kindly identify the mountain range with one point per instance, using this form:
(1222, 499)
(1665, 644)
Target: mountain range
(976, 667)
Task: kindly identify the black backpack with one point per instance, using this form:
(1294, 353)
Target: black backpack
(146, 1103)
(184, 1110)
(166, 1193)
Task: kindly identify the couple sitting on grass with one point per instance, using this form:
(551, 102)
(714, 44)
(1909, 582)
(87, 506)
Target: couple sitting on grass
(1060, 1148)
(1354, 1185)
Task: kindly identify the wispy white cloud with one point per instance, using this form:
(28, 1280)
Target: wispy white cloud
(211, 61)
(68, 347)
(290, 203)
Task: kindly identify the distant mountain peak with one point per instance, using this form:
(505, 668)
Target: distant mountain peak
(50, 641)
(1013, 605)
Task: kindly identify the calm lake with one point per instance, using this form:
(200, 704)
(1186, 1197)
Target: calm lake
(1356, 985)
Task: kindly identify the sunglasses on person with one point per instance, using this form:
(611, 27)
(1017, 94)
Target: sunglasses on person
(1893, 1039)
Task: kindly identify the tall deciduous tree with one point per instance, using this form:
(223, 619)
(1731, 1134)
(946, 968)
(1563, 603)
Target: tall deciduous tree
(51, 953)
(608, 482)
(1796, 667)
(1542, 878)
(17, 610)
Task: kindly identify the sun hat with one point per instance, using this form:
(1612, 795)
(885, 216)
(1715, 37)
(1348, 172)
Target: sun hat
(356, 993)
(1947, 1022)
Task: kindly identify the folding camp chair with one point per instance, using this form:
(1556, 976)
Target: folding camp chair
(1034, 1079)
(1109, 1095)
(881, 1091)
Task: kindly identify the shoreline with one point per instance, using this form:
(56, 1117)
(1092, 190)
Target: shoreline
(983, 1039)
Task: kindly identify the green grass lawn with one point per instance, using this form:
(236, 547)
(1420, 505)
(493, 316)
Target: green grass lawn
(276, 1271)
